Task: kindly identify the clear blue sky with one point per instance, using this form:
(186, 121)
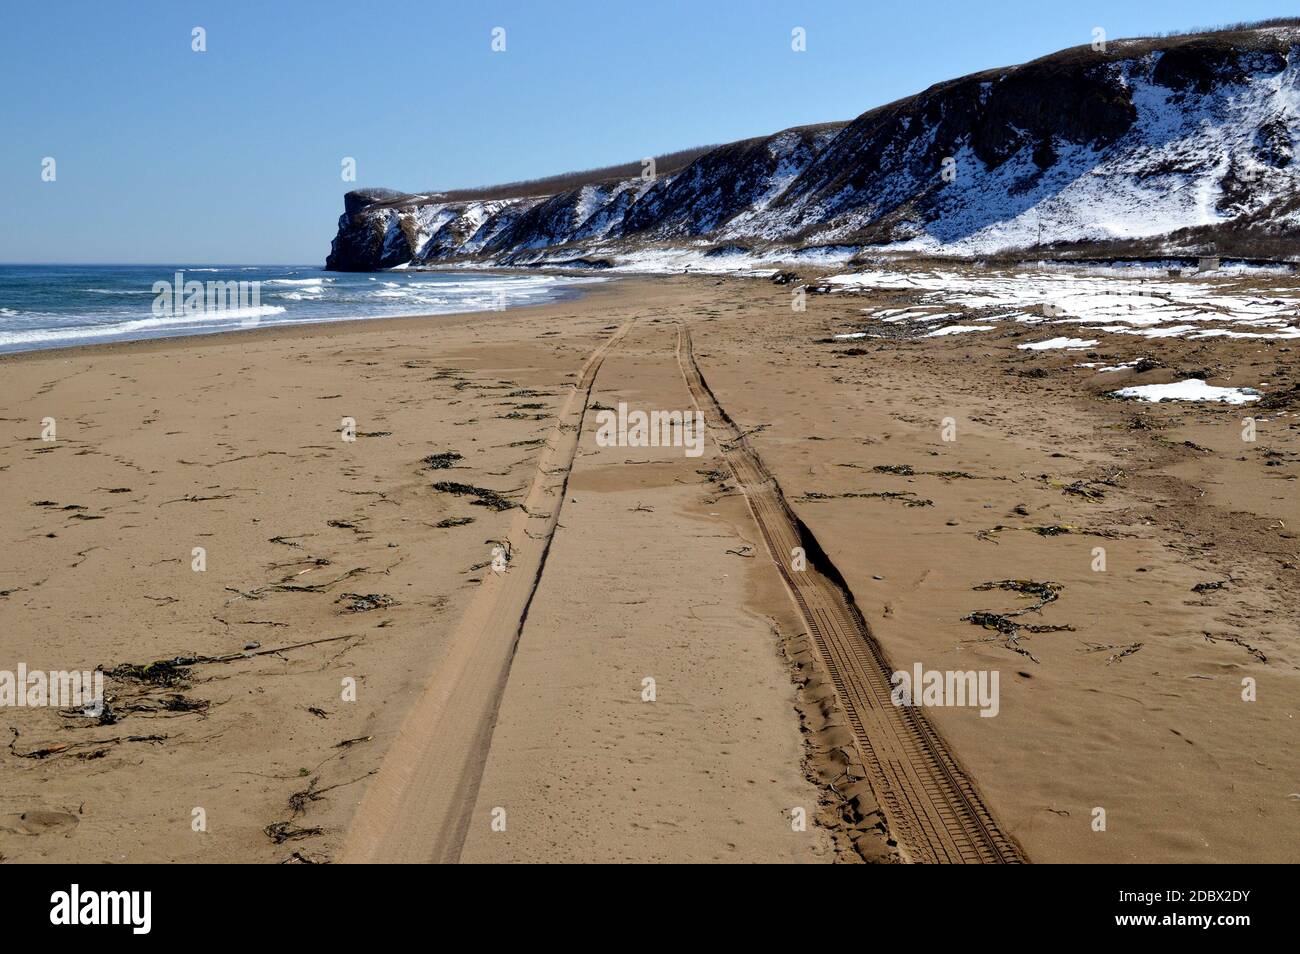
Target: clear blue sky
(233, 155)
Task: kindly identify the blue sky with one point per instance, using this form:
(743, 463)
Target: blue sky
(234, 155)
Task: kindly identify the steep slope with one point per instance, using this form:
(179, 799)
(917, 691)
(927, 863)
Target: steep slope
(1151, 146)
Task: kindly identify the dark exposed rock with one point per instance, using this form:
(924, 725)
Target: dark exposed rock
(365, 241)
(1200, 65)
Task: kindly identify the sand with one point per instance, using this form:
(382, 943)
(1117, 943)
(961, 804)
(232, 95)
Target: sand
(503, 717)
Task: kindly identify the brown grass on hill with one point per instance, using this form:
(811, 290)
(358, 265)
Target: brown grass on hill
(563, 182)
(1232, 36)
(1241, 27)
(665, 164)
(552, 185)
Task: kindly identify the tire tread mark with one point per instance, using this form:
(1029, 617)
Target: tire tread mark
(931, 805)
(417, 808)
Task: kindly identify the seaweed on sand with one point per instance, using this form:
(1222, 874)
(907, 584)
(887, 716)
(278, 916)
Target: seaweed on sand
(161, 672)
(441, 461)
(283, 831)
(483, 496)
(1047, 530)
(906, 498)
(907, 470)
(453, 522)
(364, 602)
(1007, 624)
(1045, 593)
(176, 671)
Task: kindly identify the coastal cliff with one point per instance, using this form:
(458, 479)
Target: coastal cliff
(1150, 146)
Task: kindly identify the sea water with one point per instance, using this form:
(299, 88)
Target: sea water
(52, 306)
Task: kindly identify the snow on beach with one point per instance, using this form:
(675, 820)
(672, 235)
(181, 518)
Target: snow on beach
(1054, 343)
(1192, 389)
(1113, 302)
(957, 330)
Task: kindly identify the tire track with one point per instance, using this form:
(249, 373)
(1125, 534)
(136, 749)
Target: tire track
(417, 808)
(931, 806)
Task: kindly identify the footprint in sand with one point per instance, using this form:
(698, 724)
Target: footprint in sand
(39, 822)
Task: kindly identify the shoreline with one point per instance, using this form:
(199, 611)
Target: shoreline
(305, 329)
(563, 293)
(344, 561)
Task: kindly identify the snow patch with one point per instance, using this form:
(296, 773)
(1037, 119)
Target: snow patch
(956, 330)
(1193, 389)
(1053, 343)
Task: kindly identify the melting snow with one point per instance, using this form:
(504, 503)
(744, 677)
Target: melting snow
(1053, 343)
(957, 330)
(1128, 304)
(1114, 367)
(1193, 389)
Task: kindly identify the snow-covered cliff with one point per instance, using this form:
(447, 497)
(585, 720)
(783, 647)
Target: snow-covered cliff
(1151, 146)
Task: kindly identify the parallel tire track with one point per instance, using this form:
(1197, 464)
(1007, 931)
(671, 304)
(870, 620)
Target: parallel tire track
(418, 807)
(931, 806)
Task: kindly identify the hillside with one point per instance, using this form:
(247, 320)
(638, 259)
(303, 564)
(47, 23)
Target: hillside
(1155, 146)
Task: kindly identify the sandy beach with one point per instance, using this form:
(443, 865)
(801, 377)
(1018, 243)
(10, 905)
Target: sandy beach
(372, 591)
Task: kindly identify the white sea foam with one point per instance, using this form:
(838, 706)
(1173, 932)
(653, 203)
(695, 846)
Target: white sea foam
(93, 310)
(219, 314)
(215, 321)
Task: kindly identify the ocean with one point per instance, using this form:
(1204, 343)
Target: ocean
(53, 306)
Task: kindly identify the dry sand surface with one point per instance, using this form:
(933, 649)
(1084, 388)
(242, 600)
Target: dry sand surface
(645, 675)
